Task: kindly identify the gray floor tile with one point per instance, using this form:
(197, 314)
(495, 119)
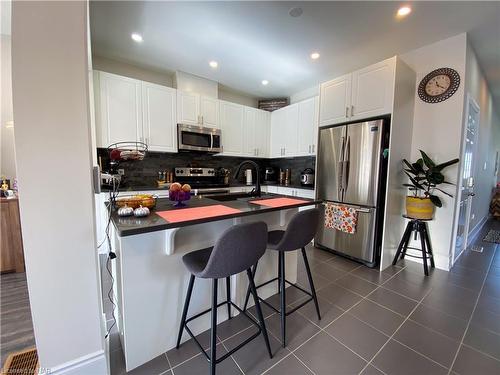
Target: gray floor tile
(396, 359)
(450, 304)
(232, 326)
(438, 347)
(371, 370)
(343, 264)
(393, 301)
(298, 329)
(318, 255)
(327, 271)
(323, 355)
(266, 310)
(188, 349)
(489, 303)
(472, 362)
(371, 275)
(339, 296)
(483, 340)
(358, 336)
(486, 319)
(253, 358)
(156, 366)
(328, 312)
(200, 366)
(319, 281)
(356, 284)
(377, 316)
(289, 366)
(443, 323)
(399, 285)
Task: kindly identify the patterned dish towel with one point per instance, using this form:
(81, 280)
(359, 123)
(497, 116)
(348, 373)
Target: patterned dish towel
(340, 217)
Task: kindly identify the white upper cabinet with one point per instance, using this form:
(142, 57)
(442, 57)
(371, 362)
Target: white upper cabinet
(159, 117)
(373, 90)
(195, 109)
(365, 93)
(232, 117)
(291, 133)
(307, 127)
(249, 125)
(119, 110)
(335, 99)
(261, 133)
(278, 130)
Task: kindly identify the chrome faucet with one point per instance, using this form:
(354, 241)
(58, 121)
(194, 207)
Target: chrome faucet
(256, 189)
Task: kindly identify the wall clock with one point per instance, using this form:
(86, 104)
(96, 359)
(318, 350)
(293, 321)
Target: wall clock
(439, 85)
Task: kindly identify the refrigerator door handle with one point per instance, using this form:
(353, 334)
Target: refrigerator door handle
(340, 171)
(345, 166)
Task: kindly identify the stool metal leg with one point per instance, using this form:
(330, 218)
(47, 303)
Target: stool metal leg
(247, 297)
(413, 229)
(404, 240)
(185, 310)
(429, 247)
(279, 273)
(213, 330)
(259, 311)
(228, 292)
(282, 298)
(311, 283)
(421, 233)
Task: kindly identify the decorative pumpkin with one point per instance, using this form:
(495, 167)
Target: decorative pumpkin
(125, 211)
(141, 211)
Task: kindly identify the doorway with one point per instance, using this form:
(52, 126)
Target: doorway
(466, 189)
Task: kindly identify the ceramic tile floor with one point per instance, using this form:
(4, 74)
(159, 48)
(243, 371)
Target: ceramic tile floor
(395, 322)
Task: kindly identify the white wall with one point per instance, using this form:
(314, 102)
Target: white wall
(437, 130)
(305, 94)
(489, 139)
(51, 108)
(8, 155)
(189, 82)
(229, 95)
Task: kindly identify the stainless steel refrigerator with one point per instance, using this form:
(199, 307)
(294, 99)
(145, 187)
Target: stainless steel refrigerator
(350, 170)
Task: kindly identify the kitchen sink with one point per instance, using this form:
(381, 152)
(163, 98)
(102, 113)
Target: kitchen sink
(235, 196)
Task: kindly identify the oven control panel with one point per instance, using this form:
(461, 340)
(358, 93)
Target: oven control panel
(194, 172)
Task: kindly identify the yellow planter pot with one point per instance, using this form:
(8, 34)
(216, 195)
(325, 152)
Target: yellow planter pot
(419, 208)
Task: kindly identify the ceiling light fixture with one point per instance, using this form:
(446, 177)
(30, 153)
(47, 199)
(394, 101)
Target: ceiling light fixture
(295, 12)
(213, 64)
(404, 11)
(265, 82)
(136, 37)
(315, 55)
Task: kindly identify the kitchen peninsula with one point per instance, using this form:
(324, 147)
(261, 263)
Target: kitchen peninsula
(151, 280)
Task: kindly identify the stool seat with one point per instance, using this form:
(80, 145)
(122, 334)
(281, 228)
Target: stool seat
(274, 238)
(196, 261)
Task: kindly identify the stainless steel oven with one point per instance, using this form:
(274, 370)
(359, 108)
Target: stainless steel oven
(198, 138)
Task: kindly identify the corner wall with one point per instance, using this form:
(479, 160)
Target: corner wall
(51, 108)
(437, 130)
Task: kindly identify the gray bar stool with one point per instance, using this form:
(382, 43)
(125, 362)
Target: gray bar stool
(298, 234)
(236, 250)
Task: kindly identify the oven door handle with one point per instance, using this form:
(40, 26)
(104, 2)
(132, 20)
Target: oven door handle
(211, 141)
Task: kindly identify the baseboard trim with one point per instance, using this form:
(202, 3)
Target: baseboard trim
(93, 363)
(476, 230)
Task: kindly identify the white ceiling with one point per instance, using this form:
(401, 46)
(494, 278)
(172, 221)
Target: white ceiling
(253, 41)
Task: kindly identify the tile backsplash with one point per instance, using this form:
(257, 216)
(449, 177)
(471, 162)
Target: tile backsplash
(144, 173)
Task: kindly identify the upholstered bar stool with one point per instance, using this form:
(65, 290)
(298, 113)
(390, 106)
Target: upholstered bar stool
(236, 250)
(298, 234)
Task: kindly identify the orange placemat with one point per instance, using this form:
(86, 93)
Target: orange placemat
(278, 202)
(194, 213)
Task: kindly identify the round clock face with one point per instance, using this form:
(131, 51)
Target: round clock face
(439, 85)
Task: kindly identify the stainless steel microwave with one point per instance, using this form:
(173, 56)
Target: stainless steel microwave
(198, 138)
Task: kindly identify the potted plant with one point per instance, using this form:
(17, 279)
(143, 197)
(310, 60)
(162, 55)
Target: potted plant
(425, 177)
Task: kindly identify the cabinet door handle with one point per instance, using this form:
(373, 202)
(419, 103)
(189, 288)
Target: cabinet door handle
(346, 111)
(309, 148)
(352, 110)
(313, 147)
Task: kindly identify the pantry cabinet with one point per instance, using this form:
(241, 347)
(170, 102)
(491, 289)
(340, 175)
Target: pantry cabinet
(129, 110)
(232, 117)
(365, 93)
(196, 109)
(262, 133)
(278, 129)
(307, 128)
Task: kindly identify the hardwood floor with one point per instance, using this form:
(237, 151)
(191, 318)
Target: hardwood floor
(15, 318)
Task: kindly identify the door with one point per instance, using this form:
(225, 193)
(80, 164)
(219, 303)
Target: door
(120, 119)
(363, 144)
(328, 163)
(209, 111)
(335, 99)
(249, 146)
(373, 90)
(290, 133)
(306, 127)
(232, 118)
(278, 128)
(159, 113)
(262, 133)
(467, 181)
(359, 245)
(188, 108)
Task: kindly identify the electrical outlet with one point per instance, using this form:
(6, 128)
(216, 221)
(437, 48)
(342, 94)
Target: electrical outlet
(121, 172)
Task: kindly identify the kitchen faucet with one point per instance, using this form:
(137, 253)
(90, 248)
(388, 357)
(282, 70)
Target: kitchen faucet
(256, 189)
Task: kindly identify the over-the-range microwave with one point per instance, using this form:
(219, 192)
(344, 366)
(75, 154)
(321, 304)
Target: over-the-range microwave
(198, 138)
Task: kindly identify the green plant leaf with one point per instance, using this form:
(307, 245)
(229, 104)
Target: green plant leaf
(411, 171)
(410, 167)
(418, 166)
(415, 182)
(435, 200)
(435, 178)
(441, 166)
(427, 160)
(444, 192)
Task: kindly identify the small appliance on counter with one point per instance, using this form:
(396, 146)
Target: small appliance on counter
(270, 176)
(307, 177)
(248, 176)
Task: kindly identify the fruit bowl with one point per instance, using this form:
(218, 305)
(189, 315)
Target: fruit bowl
(179, 196)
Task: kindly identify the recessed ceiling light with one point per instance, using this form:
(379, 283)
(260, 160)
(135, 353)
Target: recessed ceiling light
(213, 64)
(295, 12)
(265, 82)
(136, 37)
(404, 11)
(315, 55)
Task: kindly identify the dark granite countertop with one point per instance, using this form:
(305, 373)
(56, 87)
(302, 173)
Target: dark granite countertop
(127, 226)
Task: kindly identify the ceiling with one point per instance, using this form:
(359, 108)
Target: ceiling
(253, 41)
